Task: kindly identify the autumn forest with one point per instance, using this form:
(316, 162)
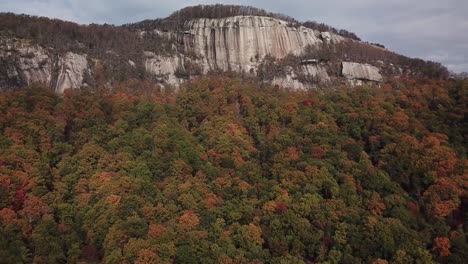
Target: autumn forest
(228, 170)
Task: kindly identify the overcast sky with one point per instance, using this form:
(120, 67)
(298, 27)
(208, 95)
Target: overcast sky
(430, 29)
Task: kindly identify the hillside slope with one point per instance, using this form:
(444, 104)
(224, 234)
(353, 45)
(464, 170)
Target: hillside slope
(249, 41)
(234, 171)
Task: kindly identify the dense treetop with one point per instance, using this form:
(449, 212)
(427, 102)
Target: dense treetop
(233, 171)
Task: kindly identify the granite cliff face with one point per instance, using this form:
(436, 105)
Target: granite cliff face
(362, 72)
(239, 43)
(191, 42)
(242, 43)
(164, 68)
(24, 64)
(34, 65)
(312, 73)
(72, 68)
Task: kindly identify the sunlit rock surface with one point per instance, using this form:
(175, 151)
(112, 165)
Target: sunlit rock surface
(72, 68)
(359, 71)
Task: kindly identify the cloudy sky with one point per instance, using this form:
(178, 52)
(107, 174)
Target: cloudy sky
(429, 29)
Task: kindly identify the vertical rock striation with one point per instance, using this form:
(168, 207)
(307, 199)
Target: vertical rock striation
(256, 45)
(239, 43)
(72, 68)
(25, 64)
(34, 65)
(164, 68)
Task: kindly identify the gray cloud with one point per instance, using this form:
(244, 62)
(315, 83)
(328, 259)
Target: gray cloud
(428, 29)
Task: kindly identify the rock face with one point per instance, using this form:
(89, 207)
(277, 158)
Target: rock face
(303, 78)
(358, 71)
(239, 43)
(318, 72)
(164, 68)
(21, 63)
(244, 44)
(72, 70)
(24, 64)
(34, 65)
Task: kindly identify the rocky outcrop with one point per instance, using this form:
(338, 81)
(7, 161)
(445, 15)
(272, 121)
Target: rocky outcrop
(240, 43)
(24, 64)
(195, 41)
(72, 68)
(319, 72)
(254, 45)
(359, 71)
(34, 65)
(290, 82)
(305, 77)
(164, 68)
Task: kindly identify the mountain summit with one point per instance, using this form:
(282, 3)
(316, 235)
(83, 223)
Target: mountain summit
(191, 42)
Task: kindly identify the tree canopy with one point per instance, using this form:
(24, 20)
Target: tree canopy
(234, 171)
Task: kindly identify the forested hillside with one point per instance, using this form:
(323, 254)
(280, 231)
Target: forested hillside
(231, 171)
(271, 47)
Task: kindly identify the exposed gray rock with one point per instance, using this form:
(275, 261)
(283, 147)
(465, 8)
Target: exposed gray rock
(317, 71)
(293, 81)
(326, 36)
(290, 82)
(34, 65)
(72, 68)
(359, 71)
(22, 63)
(164, 68)
(26, 64)
(239, 43)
